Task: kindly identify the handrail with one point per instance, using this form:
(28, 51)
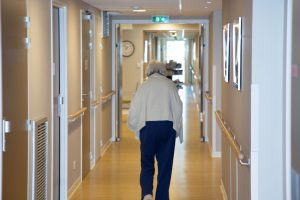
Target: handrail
(232, 141)
(108, 96)
(79, 113)
(208, 97)
(95, 103)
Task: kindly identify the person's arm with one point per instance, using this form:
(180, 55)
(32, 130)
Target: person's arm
(133, 117)
(177, 113)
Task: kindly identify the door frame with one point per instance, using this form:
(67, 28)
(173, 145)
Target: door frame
(64, 92)
(115, 70)
(1, 111)
(288, 101)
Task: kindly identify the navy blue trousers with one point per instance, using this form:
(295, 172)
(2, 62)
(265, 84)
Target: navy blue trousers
(157, 140)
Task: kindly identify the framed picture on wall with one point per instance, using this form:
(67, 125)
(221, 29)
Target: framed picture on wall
(226, 52)
(237, 52)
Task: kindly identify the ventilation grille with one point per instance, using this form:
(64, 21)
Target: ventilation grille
(40, 159)
(105, 23)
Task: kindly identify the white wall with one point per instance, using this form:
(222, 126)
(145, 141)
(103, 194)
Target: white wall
(268, 72)
(215, 81)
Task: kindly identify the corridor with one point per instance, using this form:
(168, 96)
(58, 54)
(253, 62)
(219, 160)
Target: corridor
(69, 70)
(196, 175)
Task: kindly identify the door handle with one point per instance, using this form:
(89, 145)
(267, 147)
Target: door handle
(6, 128)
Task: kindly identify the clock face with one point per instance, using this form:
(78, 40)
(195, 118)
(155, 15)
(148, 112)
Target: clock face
(127, 48)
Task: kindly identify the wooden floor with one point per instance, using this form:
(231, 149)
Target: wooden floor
(196, 176)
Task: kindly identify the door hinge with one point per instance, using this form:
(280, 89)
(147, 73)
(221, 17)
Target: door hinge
(27, 42)
(6, 128)
(27, 21)
(60, 102)
(28, 125)
(201, 117)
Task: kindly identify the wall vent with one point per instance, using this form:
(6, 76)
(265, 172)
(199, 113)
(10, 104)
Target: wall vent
(105, 24)
(39, 159)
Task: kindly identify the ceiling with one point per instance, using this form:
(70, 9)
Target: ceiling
(158, 7)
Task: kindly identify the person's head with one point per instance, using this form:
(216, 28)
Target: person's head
(156, 67)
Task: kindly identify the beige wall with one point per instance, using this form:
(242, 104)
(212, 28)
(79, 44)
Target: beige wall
(74, 84)
(132, 66)
(39, 66)
(236, 105)
(40, 73)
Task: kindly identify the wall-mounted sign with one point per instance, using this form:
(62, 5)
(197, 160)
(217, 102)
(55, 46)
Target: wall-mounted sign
(160, 19)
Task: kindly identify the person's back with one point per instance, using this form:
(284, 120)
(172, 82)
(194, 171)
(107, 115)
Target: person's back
(157, 92)
(155, 115)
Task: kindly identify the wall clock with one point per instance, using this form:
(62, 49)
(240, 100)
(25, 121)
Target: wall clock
(127, 48)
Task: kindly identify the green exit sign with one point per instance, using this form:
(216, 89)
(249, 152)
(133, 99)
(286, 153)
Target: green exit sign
(160, 19)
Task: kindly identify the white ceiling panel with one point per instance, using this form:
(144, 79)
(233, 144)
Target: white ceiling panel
(159, 7)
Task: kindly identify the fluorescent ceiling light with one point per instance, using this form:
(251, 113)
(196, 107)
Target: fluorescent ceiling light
(205, 7)
(208, 2)
(139, 10)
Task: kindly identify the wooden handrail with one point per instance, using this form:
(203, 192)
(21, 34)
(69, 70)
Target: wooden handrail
(233, 143)
(208, 97)
(108, 96)
(95, 103)
(74, 116)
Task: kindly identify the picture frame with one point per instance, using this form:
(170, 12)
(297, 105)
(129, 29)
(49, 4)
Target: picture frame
(226, 52)
(237, 52)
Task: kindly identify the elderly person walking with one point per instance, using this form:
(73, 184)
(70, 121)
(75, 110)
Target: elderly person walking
(155, 116)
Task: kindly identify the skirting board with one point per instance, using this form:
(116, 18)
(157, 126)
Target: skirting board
(74, 187)
(223, 191)
(106, 147)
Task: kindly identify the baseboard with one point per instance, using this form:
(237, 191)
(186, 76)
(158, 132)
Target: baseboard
(74, 187)
(223, 191)
(106, 147)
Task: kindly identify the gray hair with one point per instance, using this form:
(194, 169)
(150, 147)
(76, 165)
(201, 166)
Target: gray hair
(156, 67)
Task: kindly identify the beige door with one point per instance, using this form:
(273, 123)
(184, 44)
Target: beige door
(15, 99)
(56, 102)
(86, 88)
(119, 82)
(201, 86)
(295, 104)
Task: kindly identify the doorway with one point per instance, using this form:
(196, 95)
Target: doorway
(59, 103)
(149, 42)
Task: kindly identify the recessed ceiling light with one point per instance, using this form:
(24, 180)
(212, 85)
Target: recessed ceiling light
(208, 2)
(205, 7)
